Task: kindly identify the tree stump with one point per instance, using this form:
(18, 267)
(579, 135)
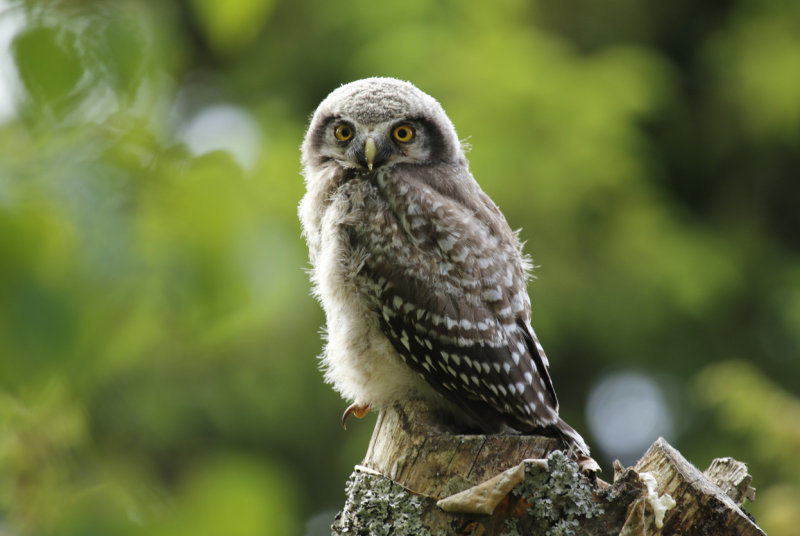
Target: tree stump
(419, 478)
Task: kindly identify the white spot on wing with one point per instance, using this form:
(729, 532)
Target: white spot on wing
(404, 340)
(529, 378)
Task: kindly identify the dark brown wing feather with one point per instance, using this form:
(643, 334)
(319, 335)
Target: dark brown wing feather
(451, 296)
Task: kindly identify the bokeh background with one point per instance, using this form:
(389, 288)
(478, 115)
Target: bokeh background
(158, 341)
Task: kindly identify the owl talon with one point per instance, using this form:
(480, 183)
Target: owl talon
(359, 410)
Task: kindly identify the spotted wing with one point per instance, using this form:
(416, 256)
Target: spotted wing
(452, 300)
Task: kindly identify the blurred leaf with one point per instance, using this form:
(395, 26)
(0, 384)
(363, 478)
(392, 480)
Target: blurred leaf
(41, 431)
(233, 495)
(125, 49)
(233, 24)
(48, 62)
(777, 508)
(756, 72)
(742, 398)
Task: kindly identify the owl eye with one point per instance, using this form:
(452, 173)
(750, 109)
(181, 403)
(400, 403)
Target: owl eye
(403, 133)
(343, 132)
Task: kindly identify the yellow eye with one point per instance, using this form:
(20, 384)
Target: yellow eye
(403, 133)
(343, 132)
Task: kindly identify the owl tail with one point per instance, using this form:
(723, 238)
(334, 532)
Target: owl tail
(576, 447)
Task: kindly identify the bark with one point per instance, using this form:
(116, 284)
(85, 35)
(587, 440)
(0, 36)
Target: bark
(420, 479)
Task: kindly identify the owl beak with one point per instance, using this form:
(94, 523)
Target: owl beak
(369, 151)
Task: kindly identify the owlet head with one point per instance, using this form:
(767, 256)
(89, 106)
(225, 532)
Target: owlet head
(379, 122)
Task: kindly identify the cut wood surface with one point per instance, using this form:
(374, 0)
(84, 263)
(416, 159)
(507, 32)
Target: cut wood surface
(408, 448)
(414, 468)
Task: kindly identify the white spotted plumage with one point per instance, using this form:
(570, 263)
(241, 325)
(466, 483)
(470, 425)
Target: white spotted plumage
(422, 281)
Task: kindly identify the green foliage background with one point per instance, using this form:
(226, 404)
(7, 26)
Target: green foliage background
(157, 337)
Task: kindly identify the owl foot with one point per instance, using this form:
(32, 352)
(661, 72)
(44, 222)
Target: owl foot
(359, 410)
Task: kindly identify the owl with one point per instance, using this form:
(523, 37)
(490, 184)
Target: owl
(421, 278)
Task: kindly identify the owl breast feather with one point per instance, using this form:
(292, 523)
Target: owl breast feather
(449, 294)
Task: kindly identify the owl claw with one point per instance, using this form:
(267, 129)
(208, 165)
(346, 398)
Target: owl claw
(359, 410)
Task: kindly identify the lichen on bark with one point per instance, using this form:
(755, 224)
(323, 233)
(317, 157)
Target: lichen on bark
(376, 506)
(558, 497)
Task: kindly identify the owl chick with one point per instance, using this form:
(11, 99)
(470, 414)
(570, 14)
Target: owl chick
(422, 281)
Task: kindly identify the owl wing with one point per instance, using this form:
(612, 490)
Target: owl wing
(453, 302)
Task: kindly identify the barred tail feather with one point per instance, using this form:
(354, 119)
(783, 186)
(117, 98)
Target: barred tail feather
(576, 447)
(575, 444)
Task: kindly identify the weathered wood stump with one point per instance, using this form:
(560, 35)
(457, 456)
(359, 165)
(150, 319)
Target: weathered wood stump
(420, 478)
(410, 449)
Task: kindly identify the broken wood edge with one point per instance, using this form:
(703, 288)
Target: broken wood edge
(410, 446)
(484, 497)
(682, 481)
(416, 470)
(375, 503)
(731, 476)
